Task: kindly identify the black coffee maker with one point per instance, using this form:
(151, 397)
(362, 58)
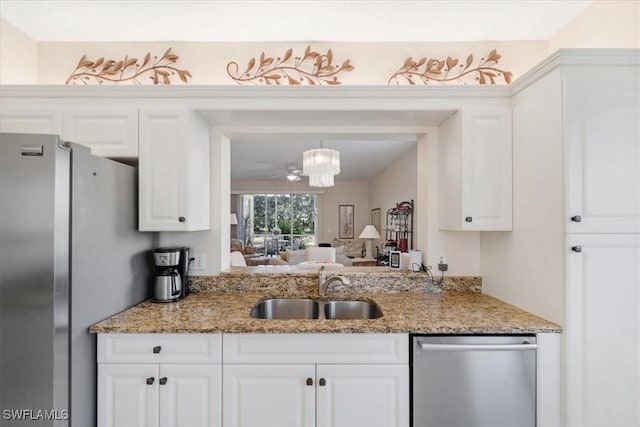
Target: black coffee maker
(170, 281)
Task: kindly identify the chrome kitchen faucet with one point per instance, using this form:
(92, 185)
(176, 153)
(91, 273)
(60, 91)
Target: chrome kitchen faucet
(324, 281)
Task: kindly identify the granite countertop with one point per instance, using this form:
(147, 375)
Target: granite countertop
(409, 304)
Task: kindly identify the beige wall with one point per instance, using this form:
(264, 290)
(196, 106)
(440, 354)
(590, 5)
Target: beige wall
(603, 24)
(374, 62)
(18, 56)
(342, 193)
(462, 248)
(525, 267)
(396, 183)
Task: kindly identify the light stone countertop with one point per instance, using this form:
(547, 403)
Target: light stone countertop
(223, 304)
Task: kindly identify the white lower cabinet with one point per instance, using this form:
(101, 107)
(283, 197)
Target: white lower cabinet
(602, 330)
(269, 395)
(362, 395)
(128, 395)
(152, 393)
(314, 388)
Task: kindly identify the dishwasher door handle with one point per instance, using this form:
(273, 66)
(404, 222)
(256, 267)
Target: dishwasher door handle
(478, 347)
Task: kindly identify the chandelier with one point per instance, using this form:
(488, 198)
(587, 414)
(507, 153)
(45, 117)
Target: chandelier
(320, 165)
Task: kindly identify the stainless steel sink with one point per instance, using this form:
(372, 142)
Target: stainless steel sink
(306, 308)
(351, 310)
(286, 308)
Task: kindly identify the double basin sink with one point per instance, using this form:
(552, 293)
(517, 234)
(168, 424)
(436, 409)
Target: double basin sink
(306, 308)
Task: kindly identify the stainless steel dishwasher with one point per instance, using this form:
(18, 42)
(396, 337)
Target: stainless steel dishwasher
(473, 381)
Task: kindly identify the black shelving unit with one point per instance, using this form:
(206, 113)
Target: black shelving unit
(398, 231)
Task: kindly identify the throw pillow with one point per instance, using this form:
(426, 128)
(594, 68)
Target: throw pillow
(296, 257)
(352, 249)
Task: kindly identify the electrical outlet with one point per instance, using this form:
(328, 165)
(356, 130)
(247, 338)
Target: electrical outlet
(198, 262)
(442, 265)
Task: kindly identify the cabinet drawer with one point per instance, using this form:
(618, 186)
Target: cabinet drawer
(316, 348)
(159, 348)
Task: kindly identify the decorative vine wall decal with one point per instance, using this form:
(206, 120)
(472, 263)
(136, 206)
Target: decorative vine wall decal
(161, 70)
(445, 71)
(312, 68)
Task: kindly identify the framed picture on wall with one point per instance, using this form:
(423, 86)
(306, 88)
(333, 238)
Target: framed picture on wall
(375, 219)
(345, 222)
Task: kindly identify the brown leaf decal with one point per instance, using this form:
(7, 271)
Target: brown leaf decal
(311, 68)
(469, 61)
(507, 76)
(287, 55)
(250, 65)
(432, 70)
(127, 69)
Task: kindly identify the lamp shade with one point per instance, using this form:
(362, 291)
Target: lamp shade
(369, 232)
(320, 165)
(233, 219)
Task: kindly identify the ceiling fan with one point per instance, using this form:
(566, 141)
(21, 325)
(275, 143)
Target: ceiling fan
(292, 173)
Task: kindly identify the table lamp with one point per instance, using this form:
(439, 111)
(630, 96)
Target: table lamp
(233, 219)
(369, 233)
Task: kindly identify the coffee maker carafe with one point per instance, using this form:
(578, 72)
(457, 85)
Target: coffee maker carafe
(170, 282)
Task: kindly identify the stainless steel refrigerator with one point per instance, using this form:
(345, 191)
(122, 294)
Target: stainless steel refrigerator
(70, 256)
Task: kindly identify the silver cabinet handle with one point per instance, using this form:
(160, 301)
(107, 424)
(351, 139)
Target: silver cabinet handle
(163, 381)
(577, 249)
(309, 381)
(487, 347)
(150, 380)
(157, 349)
(181, 219)
(468, 219)
(576, 218)
(322, 382)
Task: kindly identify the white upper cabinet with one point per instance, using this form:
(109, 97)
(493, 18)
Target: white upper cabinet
(173, 170)
(475, 160)
(109, 132)
(31, 120)
(602, 153)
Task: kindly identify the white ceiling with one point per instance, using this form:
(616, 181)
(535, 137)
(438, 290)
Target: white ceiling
(264, 143)
(362, 156)
(304, 21)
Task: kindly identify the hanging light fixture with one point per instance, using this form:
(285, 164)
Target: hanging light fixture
(321, 165)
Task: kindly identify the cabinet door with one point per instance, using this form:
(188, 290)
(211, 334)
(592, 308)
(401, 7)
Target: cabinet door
(269, 395)
(190, 395)
(602, 330)
(127, 395)
(363, 395)
(109, 132)
(31, 120)
(162, 168)
(474, 170)
(486, 169)
(603, 154)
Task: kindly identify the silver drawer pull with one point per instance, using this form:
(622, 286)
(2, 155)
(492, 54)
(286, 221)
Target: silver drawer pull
(487, 347)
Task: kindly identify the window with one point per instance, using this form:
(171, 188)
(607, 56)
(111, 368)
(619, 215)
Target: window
(273, 222)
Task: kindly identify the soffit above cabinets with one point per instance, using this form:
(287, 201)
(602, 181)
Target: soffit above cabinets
(297, 119)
